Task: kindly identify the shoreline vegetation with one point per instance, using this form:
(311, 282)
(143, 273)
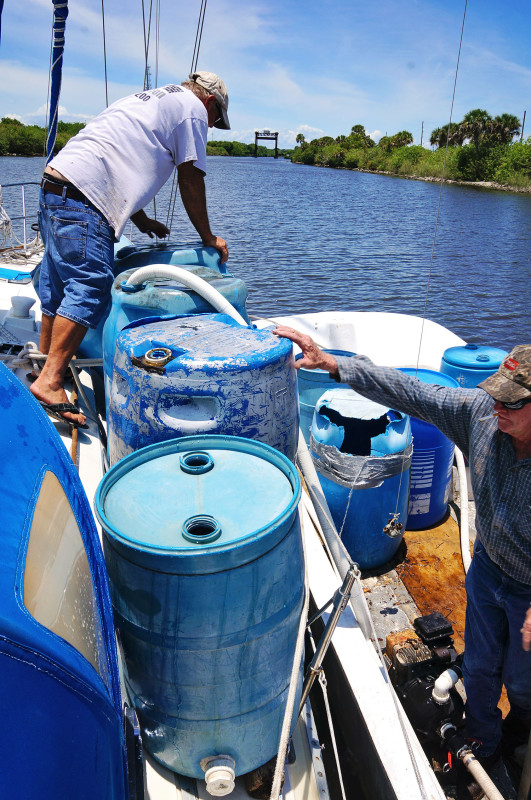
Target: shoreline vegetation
(479, 151)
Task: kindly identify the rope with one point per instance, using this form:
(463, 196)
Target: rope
(294, 680)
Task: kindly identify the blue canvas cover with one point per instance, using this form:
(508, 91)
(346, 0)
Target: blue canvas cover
(61, 719)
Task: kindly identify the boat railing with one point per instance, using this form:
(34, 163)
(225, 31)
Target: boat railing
(27, 217)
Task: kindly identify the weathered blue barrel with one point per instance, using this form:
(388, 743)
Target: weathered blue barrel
(203, 549)
(312, 383)
(201, 374)
(431, 466)
(470, 364)
(362, 454)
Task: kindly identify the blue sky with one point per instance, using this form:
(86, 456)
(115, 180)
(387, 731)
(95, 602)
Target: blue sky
(316, 67)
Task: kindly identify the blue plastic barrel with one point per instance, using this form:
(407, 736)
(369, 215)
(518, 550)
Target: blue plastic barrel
(157, 297)
(431, 467)
(201, 374)
(362, 453)
(203, 548)
(312, 383)
(470, 364)
(164, 297)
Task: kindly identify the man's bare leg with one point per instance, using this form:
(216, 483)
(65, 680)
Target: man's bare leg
(63, 337)
(46, 333)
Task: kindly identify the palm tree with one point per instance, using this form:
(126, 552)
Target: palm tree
(504, 128)
(401, 139)
(450, 134)
(475, 126)
(300, 139)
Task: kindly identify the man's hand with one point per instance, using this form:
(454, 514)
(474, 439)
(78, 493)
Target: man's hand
(220, 245)
(312, 356)
(192, 189)
(526, 631)
(149, 226)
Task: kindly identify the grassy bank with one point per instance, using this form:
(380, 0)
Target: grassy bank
(508, 165)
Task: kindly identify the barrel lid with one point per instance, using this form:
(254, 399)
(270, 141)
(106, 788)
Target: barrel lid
(430, 376)
(197, 494)
(216, 340)
(474, 356)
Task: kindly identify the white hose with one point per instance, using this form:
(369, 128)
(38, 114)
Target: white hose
(463, 500)
(194, 282)
(481, 777)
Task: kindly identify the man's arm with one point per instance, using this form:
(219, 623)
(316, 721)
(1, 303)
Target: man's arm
(447, 408)
(149, 226)
(192, 188)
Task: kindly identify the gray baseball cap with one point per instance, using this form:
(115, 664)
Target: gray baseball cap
(213, 84)
(512, 382)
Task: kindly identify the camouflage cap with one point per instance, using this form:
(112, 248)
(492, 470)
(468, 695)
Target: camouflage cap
(512, 382)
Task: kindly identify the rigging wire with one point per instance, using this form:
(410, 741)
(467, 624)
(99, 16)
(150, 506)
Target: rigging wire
(441, 183)
(146, 39)
(198, 35)
(104, 55)
(437, 217)
(193, 68)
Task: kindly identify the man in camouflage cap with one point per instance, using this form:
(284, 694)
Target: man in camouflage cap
(491, 424)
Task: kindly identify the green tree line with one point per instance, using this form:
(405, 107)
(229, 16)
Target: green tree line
(30, 140)
(479, 148)
(219, 148)
(17, 139)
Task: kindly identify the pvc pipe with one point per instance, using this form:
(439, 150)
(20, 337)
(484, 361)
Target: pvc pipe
(441, 688)
(194, 282)
(463, 523)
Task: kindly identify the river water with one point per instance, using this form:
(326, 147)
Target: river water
(311, 239)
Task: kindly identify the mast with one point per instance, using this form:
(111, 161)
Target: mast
(60, 13)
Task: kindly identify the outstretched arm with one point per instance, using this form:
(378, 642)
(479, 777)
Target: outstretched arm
(192, 188)
(149, 226)
(312, 356)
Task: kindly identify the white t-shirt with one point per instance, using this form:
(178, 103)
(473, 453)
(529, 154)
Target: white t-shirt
(123, 156)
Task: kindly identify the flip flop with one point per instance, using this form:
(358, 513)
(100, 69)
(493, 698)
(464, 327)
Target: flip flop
(55, 410)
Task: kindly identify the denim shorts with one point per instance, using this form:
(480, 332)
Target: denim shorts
(77, 268)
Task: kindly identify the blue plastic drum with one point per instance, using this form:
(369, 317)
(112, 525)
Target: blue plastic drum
(204, 554)
(361, 452)
(471, 363)
(201, 374)
(431, 466)
(312, 383)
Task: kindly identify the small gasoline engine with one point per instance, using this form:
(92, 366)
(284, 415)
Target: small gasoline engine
(424, 667)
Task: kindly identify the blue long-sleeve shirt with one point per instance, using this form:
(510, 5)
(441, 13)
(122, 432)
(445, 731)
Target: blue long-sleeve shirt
(501, 484)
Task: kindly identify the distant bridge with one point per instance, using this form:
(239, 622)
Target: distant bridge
(265, 134)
